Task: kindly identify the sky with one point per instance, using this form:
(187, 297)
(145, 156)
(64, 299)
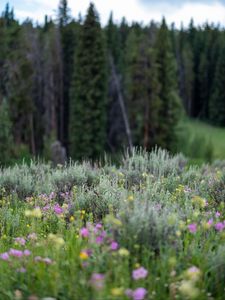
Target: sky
(177, 11)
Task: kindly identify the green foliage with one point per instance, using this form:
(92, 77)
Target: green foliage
(142, 89)
(81, 220)
(216, 272)
(114, 41)
(55, 79)
(88, 92)
(5, 133)
(217, 100)
(217, 189)
(63, 13)
(170, 103)
(200, 140)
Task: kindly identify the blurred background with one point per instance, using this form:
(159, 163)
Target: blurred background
(79, 79)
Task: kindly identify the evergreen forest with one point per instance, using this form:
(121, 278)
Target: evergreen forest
(100, 89)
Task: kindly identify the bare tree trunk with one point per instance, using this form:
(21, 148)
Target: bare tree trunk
(121, 102)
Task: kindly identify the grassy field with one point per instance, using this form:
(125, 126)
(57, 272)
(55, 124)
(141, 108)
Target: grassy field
(151, 228)
(198, 138)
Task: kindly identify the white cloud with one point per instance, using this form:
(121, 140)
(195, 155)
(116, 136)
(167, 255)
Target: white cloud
(132, 10)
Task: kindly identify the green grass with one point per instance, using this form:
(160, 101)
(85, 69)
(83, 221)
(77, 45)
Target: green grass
(196, 136)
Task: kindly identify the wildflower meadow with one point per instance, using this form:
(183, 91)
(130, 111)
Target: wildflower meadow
(152, 227)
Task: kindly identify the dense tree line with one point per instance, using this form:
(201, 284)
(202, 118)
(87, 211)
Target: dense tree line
(100, 89)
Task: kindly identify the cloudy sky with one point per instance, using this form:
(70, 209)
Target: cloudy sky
(139, 10)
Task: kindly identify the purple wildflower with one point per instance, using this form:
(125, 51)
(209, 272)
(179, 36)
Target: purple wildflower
(47, 260)
(99, 240)
(4, 256)
(58, 209)
(139, 273)
(20, 240)
(219, 226)
(114, 246)
(52, 195)
(88, 251)
(192, 228)
(15, 253)
(97, 228)
(210, 222)
(193, 269)
(139, 294)
(38, 258)
(129, 293)
(46, 207)
(26, 252)
(84, 232)
(21, 270)
(32, 236)
(218, 214)
(97, 281)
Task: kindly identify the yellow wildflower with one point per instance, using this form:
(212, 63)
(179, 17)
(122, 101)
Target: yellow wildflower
(72, 218)
(35, 213)
(83, 255)
(130, 198)
(188, 289)
(117, 291)
(123, 252)
(58, 241)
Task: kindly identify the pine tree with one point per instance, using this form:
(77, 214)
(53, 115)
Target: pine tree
(167, 76)
(63, 13)
(88, 93)
(217, 99)
(114, 41)
(20, 87)
(142, 88)
(8, 15)
(188, 78)
(6, 138)
(67, 30)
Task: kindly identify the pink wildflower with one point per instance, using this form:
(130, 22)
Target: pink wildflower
(114, 246)
(46, 207)
(192, 228)
(97, 228)
(15, 253)
(139, 273)
(47, 260)
(38, 258)
(21, 270)
(139, 294)
(84, 232)
(193, 269)
(32, 236)
(26, 252)
(20, 240)
(58, 209)
(210, 222)
(219, 226)
(218, 214)
(97, 281)
(101, 237)
(129, 293)
(4, 256)
(99, 240)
